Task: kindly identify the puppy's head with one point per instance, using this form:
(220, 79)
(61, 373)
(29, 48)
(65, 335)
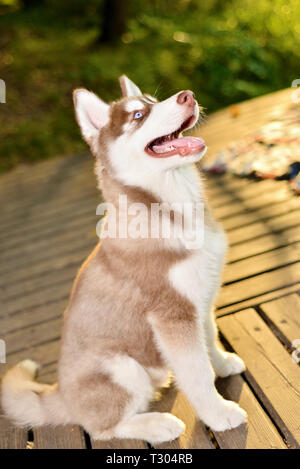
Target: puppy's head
(137, 135)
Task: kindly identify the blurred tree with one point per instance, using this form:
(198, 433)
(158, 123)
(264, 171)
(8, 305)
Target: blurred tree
(32, 3)
(114, 20)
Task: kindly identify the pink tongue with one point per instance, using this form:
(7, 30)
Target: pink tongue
(182, 145)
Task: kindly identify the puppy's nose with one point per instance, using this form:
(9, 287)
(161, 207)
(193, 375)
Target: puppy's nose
(186, 97)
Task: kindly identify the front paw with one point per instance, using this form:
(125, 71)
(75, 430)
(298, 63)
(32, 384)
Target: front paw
(228, 364)
(229, 416)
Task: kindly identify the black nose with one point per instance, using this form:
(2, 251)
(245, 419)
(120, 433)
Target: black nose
(186, 97)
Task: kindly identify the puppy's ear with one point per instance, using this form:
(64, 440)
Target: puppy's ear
(91, 113)
(128, 88)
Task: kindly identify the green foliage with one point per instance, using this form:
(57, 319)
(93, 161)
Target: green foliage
(225, 51)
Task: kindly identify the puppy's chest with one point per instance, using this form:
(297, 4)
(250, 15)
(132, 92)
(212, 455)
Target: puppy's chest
(192, 277)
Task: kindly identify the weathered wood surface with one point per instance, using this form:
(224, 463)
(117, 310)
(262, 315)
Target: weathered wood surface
(11, 437)
(284, 314)
(47, 228)
(270, 369)
(62, 437)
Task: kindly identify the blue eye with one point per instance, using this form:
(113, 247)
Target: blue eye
(138, 115)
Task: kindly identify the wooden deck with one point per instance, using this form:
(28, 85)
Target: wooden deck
(47, 229)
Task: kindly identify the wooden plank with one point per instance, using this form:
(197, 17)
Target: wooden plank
(263, 244)
(224, 196)
(222, 191)
(262, 214)
(39, 188)
(31, 336)
(218, 186)
(272, 373)
(31, 173)
(32, 316)
(55, 291)
(285, 315)
(41, 216)
(58, 246)
(196, 435)
(49, 374)
(261, 228)
(59, 437)
(265, 261)
(258, 285)
(119, 444)
(71, 191)
(10, 436)
(58, 173)
(215, 182)
(253, 203)
(252, 114)
(36, 283)
(46, 269)
(268, 296)
(250, 108)
(87, 223)
(259, 433)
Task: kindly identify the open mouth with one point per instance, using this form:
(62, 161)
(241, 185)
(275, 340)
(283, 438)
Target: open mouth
(173, 144)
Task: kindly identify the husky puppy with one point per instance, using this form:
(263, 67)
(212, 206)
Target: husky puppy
(139, 306)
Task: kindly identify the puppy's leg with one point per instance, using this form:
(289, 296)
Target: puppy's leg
(224, 363)
(184, 348)
(154, 427)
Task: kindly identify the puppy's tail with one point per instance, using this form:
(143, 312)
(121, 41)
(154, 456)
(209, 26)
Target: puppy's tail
(29, 403)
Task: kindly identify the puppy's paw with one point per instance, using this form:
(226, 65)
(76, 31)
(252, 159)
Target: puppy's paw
(229, 364)
(165, 427)
(231, 415)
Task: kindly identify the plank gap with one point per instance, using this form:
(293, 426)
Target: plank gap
(87, 440)
(260, 299)
(279, 246)
(262, 219)
(33, 324)
(212, 438)
(225, 284)
(248, 210)
(278, 334)
(271, 232)
(42, 274)
(255, 296)
(34, 346)
(36, 306)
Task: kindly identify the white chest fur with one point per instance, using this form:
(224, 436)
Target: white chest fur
(198, 277)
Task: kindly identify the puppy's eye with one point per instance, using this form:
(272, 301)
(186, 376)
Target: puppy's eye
(138, 115)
